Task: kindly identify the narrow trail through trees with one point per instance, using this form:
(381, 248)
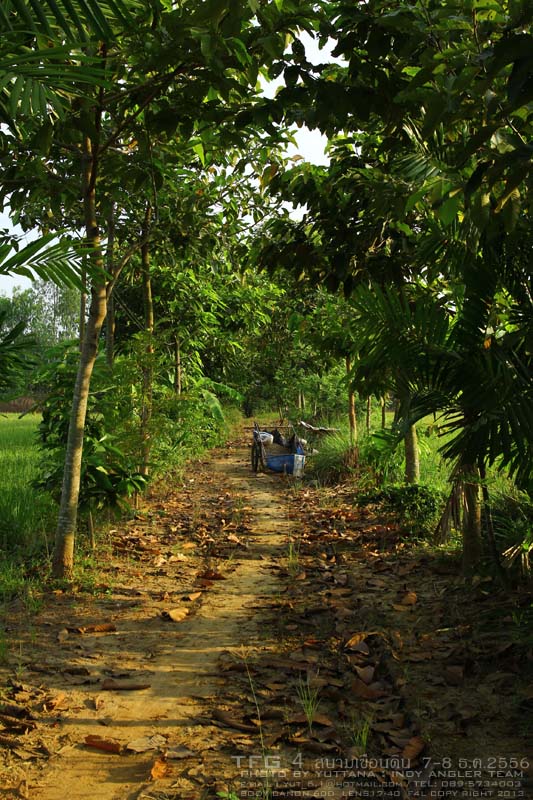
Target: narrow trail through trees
(244, 636)
(177, 661)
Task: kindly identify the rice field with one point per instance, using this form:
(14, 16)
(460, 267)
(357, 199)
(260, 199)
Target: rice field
(26, 514)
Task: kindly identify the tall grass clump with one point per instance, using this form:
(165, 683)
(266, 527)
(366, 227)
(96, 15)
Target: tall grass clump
(25, 513)
(335, 458)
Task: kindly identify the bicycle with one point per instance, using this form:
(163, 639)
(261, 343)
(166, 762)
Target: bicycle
(258, 453)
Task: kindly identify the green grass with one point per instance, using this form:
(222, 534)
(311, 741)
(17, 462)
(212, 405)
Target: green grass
(26, 514)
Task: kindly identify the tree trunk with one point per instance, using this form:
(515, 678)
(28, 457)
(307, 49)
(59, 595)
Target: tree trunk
(148, 369)
(177, 367)
(471, 519)
(63, 557)
(83, 306)
(352, 415)
(489, 522)
(412, 462)
(383, 412)
(110, 319)
(368, 413)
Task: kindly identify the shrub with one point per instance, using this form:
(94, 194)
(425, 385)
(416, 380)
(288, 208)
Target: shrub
(418, 508)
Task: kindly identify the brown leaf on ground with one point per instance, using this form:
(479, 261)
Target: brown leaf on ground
(366, 673)
(193, 596)
(19, 725)
(51, 702)
(226, 719)
(175, 614)
(302, 719)
(399, 607)
(107, 745)
(356, 640)
(145, 743)
(211, 575)
(454, 674)
(413, 748)
(204, 583)
(160, 769)
(409, 599)
(104, 627)
(372, 692)
(175, 753)
(15, 710)
(123, 686)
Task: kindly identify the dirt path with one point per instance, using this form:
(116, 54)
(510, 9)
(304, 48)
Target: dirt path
(178, 661)
(254, 639)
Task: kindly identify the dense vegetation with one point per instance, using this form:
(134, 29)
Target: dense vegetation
(404, 276)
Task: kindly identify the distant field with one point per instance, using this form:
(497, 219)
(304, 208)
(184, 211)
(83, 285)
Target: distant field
(26, 515)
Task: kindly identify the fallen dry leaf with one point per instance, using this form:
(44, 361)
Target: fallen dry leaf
(372, 692)
(146, 743)
(409, 599)
(174, 753)
(413, 748)
(454, 675)
(226, 719)
(175, 614)
(107, 745)
(356, 640)
(319, 719)
(366, 673)
(123, 686)
(159, 770)
(52, 702)
(104, 627)
(211, 575)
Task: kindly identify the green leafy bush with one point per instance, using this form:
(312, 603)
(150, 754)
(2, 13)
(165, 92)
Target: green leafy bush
(109, 473)
(513, 530)
(418, 508)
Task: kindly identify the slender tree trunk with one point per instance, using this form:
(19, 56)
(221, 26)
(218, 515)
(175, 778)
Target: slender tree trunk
(63, 557)
(368, 413)
(352, 415)
(148, 369)
(83, 306)
(383, 412)
(412, 462)
(177, 367)
(471, 519)
(110, 319)
(489, 522)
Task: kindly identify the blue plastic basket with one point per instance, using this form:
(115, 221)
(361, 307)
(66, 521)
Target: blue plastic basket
(291, 463)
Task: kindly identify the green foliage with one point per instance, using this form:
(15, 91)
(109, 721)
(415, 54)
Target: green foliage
(26, 516)
(187, 425)
(108, 474)
(16, 351)
(513, 530)
(334, 460)
(417, 507)
(379, 453)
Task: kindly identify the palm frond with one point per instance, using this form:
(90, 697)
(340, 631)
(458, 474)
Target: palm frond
(46, 258)
(77, 20)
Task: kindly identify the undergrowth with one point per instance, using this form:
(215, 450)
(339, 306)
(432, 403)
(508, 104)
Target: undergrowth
(26, 516)
(417, 507)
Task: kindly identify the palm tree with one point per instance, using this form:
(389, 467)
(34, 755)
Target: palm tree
(44, 64)
(450, 361)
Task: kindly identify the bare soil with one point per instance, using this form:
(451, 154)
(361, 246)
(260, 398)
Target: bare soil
(248, 636)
